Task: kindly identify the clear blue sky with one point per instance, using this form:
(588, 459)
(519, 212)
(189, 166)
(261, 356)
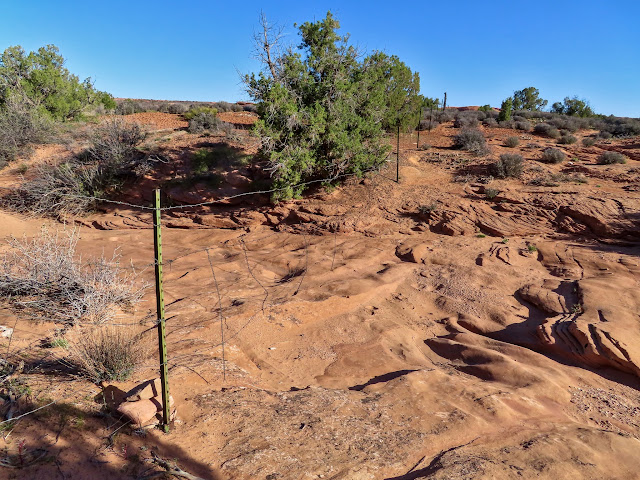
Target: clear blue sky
(479, 52)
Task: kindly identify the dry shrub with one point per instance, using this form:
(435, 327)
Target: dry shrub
(553, 155)
(509, 165)
(44, 278)
(114, 142)
(106, 352)
(57, 190)
(609, 158)
(512, 142)
(20, 126)
(471, 140)
(65, 188)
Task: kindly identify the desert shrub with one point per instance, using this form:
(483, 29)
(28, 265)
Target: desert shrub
(56, 190)
(115, 142)
(509, 165)
(485, 108)
(523, 125)
(471, 140)
(512, 142)
(205, 121)
(195, 111)
(567, 139)
(128, 107)
(619, 127)
(177, 108)
(546, 130)
(67, 188)
(491, 193)
(490, 122)
(605, 135)
(609, 158)
(250, 107)
(428, 209)
(106, 352)
(563, 122)
(20, 126)
(553, 155)
(222, 106)
(236, 108)
(589, 141)
(43, 277)
(507, 124)
(465, 121)
(444, 117)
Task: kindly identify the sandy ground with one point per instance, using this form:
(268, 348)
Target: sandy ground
(360, 336)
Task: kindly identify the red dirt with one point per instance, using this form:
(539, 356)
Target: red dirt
(418, 329)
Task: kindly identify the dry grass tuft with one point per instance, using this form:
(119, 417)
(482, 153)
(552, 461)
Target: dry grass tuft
(106, 352)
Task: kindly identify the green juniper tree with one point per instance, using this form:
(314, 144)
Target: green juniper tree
(528, 99)
(323, 111)
(573, 106)
(505, 110)
(39, 80)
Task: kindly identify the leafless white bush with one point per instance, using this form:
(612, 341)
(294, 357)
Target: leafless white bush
(44, 278)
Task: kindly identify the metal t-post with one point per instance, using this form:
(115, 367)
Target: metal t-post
(398, 157)
(162, 336)
(419, 121)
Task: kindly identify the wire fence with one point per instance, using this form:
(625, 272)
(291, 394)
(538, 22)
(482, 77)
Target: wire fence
(231, 285)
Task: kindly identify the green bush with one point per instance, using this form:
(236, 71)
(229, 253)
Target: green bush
(323, 110)
(512, 142)
(509, 165)
(195, 111)
(207, 122)
(553, 155)
(505, 110)
(471, 140)
(573, 107)
(609, 158)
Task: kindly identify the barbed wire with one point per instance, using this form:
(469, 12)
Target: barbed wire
(225, 199)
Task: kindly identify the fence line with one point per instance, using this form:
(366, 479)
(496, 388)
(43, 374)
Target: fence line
(229, 253)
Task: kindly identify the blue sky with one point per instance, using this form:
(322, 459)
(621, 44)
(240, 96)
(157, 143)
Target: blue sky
(479, 52)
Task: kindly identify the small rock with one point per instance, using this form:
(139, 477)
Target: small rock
(145, 391)
(5, 332)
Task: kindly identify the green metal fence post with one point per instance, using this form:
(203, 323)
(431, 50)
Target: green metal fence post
(419, 121)
(162, 342)
(398, 157)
